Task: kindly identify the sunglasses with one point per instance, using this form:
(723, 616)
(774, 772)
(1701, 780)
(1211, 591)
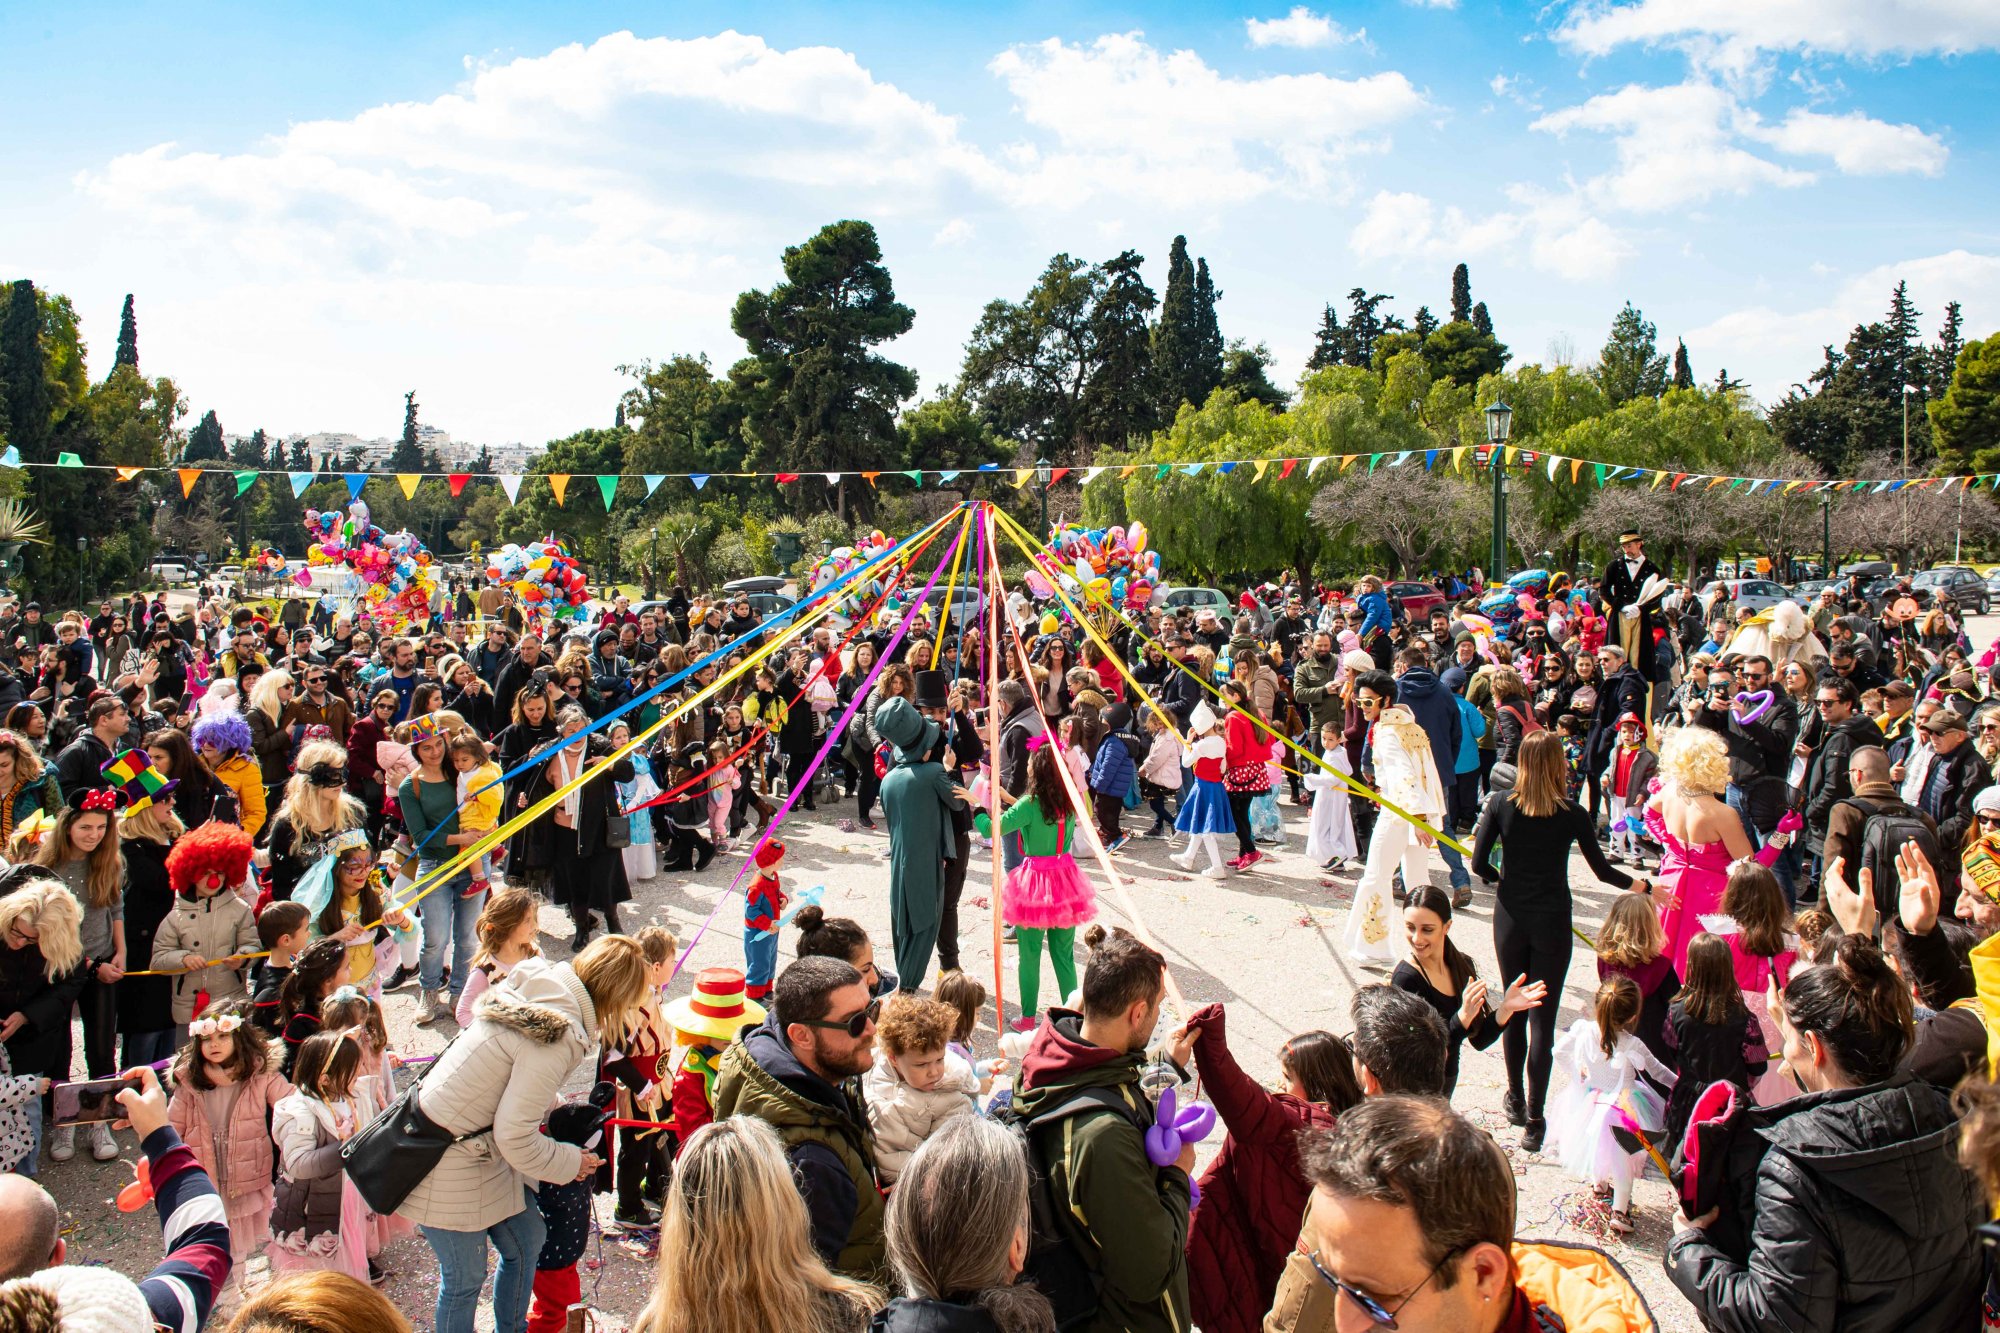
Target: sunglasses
(1383, 1316)
(1988, 821)
(853, 1026)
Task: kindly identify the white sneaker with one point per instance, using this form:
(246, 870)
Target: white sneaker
(102, 1146)
(62, 1143)
(1184, 862)
(1215, 872)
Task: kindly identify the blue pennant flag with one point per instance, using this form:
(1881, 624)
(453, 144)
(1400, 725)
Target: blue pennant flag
(355, 481)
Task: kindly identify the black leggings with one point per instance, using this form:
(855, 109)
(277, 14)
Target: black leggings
(867, 788)
(954, 889)
(1239, 807)
(1540, 947)
(99, 1006)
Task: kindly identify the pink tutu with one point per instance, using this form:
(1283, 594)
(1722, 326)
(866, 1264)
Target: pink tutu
(1047, 893)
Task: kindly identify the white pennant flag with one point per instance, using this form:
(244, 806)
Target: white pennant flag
(1313, 466)
(832, 478)
(1555, 461)
(511, 483)
(1090, 474)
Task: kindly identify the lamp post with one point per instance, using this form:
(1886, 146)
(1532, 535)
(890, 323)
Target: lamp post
(1908, 389)
(1826, 535)
(82, 555)
(1042, 474)
(1499, 425)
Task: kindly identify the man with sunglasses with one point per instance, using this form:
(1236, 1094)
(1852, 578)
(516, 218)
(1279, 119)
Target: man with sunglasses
(1411, 1226)
(1843, 730)
(316, 705)
(799, 1071)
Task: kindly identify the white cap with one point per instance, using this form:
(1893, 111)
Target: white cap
(1202, 718)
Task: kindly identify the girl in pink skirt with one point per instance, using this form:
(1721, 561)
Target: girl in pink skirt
(1045, 897)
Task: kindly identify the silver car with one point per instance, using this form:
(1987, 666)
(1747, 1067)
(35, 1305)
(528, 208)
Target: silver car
(1747, 594)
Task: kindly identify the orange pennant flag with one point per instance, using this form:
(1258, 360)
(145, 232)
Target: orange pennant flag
(869, 477)
(559, 483)
(1347, 461)
(1575, 467)
(408, 481)
(1127, 470)
(127, 473)
(189, 476)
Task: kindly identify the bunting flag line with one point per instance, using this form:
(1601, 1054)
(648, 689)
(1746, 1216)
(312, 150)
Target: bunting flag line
(559, 483)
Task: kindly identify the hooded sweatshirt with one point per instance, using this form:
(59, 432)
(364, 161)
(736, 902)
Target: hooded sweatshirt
(1430, 703)
(1097, 1161)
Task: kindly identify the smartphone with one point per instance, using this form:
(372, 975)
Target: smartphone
(89, 1101)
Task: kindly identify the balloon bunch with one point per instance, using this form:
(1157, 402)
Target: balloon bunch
(842, 560)
(1107, 565)
(394, 568)
(544, 575)
(272, 560)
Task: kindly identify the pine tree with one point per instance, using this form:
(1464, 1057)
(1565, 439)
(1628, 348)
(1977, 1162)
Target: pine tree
(1723, 384)
(1424, 323)
(1481, 320)
(1951, 341)
(204, 442)
(1461, 296)
(1327, 341)
(128, 337)
(300, 458)
(1683, 372)
(1175, 339)
(1208, 336)
(1117, 403)
(249, 453)
(1630, 366)
(408, 455)
(618, 417)
(25, 401)
(1364, 327)
(1246, 373)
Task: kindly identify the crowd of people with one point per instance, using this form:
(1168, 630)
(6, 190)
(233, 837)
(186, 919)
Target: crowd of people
(236, 833)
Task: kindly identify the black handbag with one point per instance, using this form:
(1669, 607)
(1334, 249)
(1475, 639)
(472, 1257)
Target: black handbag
(617, 831)
(396, 1151)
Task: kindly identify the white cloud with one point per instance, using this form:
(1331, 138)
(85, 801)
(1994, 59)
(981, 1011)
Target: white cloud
(1130, 119)
(1300, 28)
(1674, 145)
(1733, 31)
(955, 232)
(1772, 348)
(1561, 235)
(1433, 4)
(1858, 145)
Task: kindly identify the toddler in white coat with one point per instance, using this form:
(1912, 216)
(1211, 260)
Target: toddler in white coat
(917, 1082)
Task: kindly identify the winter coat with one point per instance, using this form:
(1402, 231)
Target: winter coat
(41, 1045)
(271, 742)
(306, 1206)
(1096, 1162)
(1964, 776)
(1863, 1222)
(1112, 772)
(246, 783)
(1621, 692)
(825, 1132)
(41, 792)
(901, 1118)
(1016, 730)
(216, 927)
(247, 1140)
(145, 1004)
(1472, 727)
(910, 1314)
(1315, 687)
(1252, 1194)
(527, 1035)
(1826, 778)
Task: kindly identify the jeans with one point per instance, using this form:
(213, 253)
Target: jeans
(461, 1259)
(1461, 878)
(1011, 854)
(447, 915)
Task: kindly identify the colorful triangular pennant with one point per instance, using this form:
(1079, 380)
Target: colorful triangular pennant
(510, 482)
(245, 480)
(189, 476)
(457, 480)
(409, 481)
(607, 486)
(355, 481)
(559, 483)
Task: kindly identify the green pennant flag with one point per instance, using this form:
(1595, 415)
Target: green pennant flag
(245, 480)
(607, 486)
(67, 459)
(1373, 460)
(1600, 474)
(1161, 475)
(915, 475)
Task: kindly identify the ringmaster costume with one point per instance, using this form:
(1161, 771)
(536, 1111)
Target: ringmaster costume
(918, 802)
(1625, 583)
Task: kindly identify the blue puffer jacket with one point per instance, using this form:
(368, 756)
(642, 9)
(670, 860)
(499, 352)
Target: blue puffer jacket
(1112, 772)
(1472, 726)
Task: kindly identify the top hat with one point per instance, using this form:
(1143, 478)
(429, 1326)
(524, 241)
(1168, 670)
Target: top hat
(933, 689)
(718, 1008)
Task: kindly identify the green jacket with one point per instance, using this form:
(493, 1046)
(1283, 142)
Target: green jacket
(1313, 689)
(1038, 836)
(825, 1132)
(1097, 1162)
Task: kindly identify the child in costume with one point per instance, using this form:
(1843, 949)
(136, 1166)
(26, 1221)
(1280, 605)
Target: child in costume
(1632, 944)
(224, 1088)
(704, 1024)
(686, 815)
(1573, 729)
(721, 791)
(1330, 834)
(1205, 816)
(763, 903)
(641, 854)
(222, 739)
(479, 796)
(565, 1209)
(1603, 1113)
(640, 1060)
(1713, 1034)
(318, 1222)
(917, 1082)
(1045, 897)
(204, 939)
(315, 976)
(1631, 767)
(1756, 924)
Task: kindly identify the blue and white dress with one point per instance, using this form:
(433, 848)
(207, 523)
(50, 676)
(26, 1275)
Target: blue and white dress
(642, 860)
(1206, 810)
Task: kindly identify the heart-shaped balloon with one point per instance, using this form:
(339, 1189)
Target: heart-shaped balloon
(1752, 704)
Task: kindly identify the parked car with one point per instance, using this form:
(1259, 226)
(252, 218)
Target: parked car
(1993, 583)
(1957, 582)
(1173, 599)
(1747, 594)
(1417, 598)
(1805, 590)
(170, 572)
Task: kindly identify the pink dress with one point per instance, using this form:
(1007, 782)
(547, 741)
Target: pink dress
(1754, 973)
(1691, 881)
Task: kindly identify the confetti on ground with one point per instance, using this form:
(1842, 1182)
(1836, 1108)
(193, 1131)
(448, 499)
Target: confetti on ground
(982, 902)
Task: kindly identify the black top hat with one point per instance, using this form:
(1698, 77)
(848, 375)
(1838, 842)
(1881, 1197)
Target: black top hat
(933, 689)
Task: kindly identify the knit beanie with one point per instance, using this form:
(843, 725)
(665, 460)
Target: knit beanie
(91, 1300)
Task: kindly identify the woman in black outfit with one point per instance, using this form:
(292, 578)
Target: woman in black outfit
(531, 730)
(146, 1004)
(1440, 975)
(1553, 685)
(586, 873)
(1536, 823)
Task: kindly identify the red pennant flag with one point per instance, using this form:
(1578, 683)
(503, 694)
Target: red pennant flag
(784, 477)
(458, 480)
(1679, 477)
(1286, 470)
(1057, 475)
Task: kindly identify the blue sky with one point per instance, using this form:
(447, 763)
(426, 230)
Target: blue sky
(498, 205)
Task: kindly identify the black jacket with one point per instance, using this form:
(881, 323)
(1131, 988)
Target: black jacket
(80, 767)
(1826, 778)
(1965, 776)
(1621, 692)
(1864, 1222)
(145, 1004)
(907, 1314)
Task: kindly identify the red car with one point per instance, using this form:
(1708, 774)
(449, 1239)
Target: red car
(1417, 599)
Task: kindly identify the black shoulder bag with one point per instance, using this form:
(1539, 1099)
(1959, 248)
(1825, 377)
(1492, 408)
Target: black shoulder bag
(396, 1151)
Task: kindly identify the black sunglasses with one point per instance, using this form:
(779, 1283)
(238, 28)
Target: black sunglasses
(1383, 1316)
(854, 1026)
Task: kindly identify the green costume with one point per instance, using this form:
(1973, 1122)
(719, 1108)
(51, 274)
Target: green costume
(917, 802)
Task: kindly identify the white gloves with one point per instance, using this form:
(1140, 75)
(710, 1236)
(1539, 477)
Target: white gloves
(1629, 612)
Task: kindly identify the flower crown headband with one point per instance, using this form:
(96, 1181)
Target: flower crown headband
(215, 1027)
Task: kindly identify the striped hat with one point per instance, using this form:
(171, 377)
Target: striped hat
(718, 1008)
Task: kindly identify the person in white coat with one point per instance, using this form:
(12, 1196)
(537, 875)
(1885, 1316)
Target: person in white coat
(1405, 775)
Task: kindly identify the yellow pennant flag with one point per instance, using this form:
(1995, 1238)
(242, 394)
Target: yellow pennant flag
(1347, 461)
(1575, 467)
(1658, 477)
(1791, 486)
(1458, 459)
(408, 481)
(127, 473)
(1127, 470)
(1507, 455)
(1261, 464)
(1713, 482)
(559, 483)
(1021, 476)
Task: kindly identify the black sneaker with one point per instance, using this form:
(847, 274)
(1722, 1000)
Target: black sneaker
(1531, 1137)
(641, 1217)
(1515, 1109)
(377, 1275)
(401, 977)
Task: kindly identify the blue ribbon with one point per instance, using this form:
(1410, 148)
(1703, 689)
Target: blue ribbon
(779, 622)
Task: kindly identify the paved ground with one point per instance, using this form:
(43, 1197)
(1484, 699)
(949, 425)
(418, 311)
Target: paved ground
(1267, 944)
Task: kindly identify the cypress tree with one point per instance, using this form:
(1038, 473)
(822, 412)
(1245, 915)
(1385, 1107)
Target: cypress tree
(1461, 295)
(1327, 342)
(1117, 402)
(204, 442)
(618, 418)
(409, 455)
(1174, 337)
(25, 403)
(128, 337)
(1951, 341)
(1480, 319)
(1208, 336)
(1683, 372)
